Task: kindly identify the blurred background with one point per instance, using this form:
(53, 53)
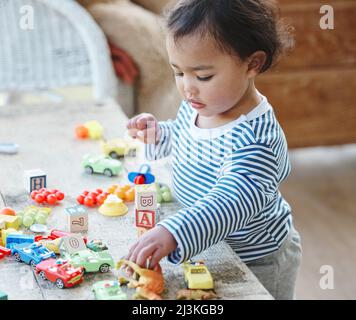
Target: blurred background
(85, 51)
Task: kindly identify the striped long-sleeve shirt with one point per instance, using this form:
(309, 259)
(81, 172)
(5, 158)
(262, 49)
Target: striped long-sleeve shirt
(227, 179)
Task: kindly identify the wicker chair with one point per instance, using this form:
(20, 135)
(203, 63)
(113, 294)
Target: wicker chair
(65, 48)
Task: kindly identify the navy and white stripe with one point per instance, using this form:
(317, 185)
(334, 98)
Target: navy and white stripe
(227, 178)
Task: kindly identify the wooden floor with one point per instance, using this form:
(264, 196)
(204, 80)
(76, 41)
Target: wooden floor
(322, 193)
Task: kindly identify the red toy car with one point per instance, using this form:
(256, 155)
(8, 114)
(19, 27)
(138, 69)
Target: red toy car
(59, 234)
(61, 272)
(4, 252)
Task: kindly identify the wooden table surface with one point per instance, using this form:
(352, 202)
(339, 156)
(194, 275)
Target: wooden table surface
(45, 135)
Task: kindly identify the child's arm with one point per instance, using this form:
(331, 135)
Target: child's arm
(157, 136)
(248, 182)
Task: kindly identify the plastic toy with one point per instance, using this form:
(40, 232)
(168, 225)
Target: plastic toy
(108, 290)
(113, 206)
(33, 214)
(35, 179)
(44, 195)
(81, 132)
(74, 250)
(125, 192)
(163, 193)
(146, 212)
(13, 222)
(143, 176)
(101, 164)
(31, 254)
(4, 252)
(6, 232)
(90, 129)
(77, 219)
(51, 243)
(96, 246)
(92, 198)
(9, 148)
(15, 239)
(150, 284)
(197, 276)
(196, 294)
(117, 148)
(55, 234)
(8, 211)
(62, 273)
(38, 228)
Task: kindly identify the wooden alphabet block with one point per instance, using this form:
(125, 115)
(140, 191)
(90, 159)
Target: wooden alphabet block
(77, 219)
(35, 179)
(146, 197)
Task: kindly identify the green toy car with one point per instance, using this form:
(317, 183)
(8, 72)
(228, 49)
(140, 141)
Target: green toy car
(108, 290)
(74, 250)
(101, 164)
(96, 246)
(91, 261)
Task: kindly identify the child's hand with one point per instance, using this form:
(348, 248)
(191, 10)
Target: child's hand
(154, 244)
(144, 127)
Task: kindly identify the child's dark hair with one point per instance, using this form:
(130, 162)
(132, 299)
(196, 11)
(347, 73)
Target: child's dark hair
(239, 27)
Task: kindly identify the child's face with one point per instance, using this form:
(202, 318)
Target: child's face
(211, 80)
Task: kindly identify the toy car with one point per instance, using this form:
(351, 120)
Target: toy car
(62, 273)
(101, 164)
(91, 261)
(75, 251)
(197, 276)
(117, 148)
(97, 246)
(4, 252)
(108, 290)
(31, 254)
(51, 243)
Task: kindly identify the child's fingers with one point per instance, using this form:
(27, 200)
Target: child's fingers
(144, 254)
(155, 258)
(147, 136)
(141, 249)
(145, 121)
(131, 250)
(133, 132)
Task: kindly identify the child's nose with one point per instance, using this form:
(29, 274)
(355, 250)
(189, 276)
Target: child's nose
(190, 90)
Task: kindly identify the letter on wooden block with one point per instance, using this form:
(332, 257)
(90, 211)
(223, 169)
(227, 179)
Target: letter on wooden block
(77, 219)
(35, 179)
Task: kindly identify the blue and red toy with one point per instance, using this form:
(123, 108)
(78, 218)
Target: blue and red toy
(143, 176)
(31, 254)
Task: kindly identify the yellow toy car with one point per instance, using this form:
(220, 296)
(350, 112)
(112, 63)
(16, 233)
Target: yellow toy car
(197, 276)
(120, 147)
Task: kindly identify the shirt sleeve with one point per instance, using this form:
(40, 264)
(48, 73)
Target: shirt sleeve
(163, 147)
(248, 181)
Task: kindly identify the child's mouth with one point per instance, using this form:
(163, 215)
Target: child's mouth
(196, 104)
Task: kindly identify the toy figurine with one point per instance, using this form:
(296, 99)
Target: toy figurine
(150, 283)
(143, 176)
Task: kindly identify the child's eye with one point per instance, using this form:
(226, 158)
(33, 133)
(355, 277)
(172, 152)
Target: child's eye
(204, 78)
(178, 74)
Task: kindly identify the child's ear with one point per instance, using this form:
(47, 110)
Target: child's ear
(255, 63)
